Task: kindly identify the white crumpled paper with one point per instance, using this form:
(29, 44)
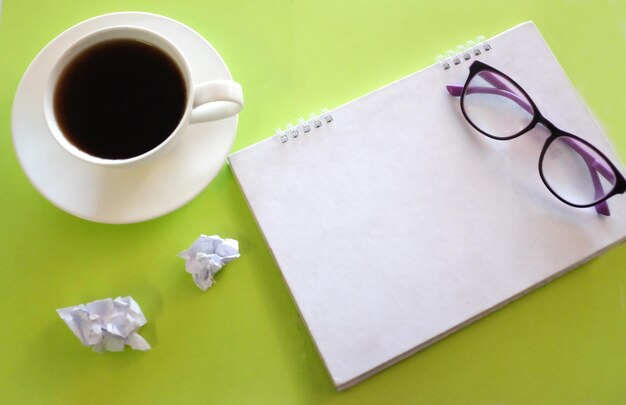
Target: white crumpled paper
(206, 256)
(107, 325)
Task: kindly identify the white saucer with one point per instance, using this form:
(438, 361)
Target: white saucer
(121, 194)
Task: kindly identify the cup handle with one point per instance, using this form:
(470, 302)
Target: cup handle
(216, 100)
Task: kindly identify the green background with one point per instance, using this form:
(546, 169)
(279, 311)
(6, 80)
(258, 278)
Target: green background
(243, 341)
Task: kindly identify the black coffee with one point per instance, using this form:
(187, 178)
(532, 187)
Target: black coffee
(119, 99)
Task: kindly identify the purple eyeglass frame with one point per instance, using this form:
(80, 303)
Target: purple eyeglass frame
(606, 168)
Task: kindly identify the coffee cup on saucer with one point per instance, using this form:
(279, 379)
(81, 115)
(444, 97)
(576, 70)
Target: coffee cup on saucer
(120, 95)
(125, 117)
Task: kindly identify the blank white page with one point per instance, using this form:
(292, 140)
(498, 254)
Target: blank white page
(397, 223)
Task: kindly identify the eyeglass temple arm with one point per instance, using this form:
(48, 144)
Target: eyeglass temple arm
(603, 207)
(490, 90)
(593, 164)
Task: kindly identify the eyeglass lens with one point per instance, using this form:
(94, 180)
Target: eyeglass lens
(496, 106)
(576, 172)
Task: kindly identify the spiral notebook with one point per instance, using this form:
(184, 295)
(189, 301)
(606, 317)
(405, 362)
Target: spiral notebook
(394, 223)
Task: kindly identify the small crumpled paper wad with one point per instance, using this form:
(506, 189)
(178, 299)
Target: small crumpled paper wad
(206, 256)
(107, 325)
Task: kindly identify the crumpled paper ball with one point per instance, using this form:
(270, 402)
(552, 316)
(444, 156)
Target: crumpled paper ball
(206, 256)
(107, 325)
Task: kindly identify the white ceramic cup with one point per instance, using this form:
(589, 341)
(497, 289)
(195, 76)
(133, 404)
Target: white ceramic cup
(207, 101)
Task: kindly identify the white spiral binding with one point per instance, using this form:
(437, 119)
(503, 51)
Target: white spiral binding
(464, 52)
(315, 121)
(304, 127)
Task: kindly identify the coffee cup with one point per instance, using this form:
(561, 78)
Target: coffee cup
(121, 95)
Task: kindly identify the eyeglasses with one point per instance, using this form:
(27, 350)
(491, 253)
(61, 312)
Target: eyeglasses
(575, 171)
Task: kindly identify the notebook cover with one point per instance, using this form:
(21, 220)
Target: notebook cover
(397, 223)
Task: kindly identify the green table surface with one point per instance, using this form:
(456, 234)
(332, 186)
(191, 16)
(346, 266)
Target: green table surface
(243, 341)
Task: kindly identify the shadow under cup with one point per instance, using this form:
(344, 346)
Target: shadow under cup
(118, 95)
